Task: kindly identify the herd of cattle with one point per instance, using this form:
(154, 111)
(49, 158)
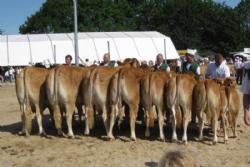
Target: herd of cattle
(106, 90)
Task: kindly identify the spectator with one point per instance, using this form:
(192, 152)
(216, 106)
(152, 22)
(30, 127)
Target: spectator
(160, 65)
(218, 68)
(68, 60)
(239, 69)
(245, 88)
(190, 65)
(107, 62)
(177, 159)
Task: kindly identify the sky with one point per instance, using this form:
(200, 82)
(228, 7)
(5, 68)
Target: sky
(14, 13)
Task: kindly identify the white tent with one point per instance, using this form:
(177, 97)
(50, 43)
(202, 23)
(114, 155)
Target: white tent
(16, 50)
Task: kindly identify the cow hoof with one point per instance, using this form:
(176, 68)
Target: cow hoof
(20, 133)
(133, 139)
(174, 140)
(184, 142)
(162, 139)
(214, 142)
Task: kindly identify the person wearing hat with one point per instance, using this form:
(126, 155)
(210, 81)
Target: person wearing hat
(218, 69)
(190, 65)
(239, 70)
(160, 65)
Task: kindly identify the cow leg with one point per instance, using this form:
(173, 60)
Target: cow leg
(201, 125)
(186, 117)
(160, 122)
(224, 127)
(174, 135)
(58, 120)
(27, 119)
(215, 126)
(23, 120)
(147, 121)
(133, 114)
(234, 126)
(39, 121)
(105, 119)
(69, 113)
(112, 121)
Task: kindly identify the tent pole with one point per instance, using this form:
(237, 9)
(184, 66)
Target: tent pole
(8, 54)
(108, 47)
(54, 54)
(165, 53)
(76, 33)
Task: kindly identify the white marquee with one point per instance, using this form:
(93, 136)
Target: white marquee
(19, 50)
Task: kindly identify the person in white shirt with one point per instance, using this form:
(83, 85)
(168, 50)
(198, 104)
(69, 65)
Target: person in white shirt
(218, 68)
(245, 88)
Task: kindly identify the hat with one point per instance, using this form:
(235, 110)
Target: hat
(191, 52)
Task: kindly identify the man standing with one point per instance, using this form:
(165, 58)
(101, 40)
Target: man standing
(239, 70)
(218, 69)
(106, 61)
(190, 65)
(160, 65)
(68, 60)
(245, 88)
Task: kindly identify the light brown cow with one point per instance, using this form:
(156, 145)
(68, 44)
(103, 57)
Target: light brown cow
(97, 97)
(179, 91)
(234, 103)
(152, 94)
(210, 98)
(64, 85)
(31, 94)
(125, 87)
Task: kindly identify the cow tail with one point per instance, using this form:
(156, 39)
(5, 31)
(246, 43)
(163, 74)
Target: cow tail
(118, 98)
(149, 102)
(178, 113)
(208, 109)
(90, 111)
(26, 106)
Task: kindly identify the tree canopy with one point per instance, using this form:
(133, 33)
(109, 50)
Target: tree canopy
(201, 24)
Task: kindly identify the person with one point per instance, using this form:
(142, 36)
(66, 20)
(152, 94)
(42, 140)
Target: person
(106, 61)
(239, 70)
(177, 159)
(68, 60)
(245, 88)
(218, 69)
(190, 65)
(160, 65)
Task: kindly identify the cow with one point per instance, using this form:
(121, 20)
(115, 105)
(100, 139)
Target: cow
(64, 85)
(234, 102)
(179, 91)
(210, 98)
(31, 95)
(97, 96)
(152, 94)
(125, 87)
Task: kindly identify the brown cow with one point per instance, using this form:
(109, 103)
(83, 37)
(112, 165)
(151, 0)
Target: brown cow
(210, 98)
(31, 94)
(234, 103)
(152, 93)
(125, 87)
(97, 96)
(179, 92)
(64, 85)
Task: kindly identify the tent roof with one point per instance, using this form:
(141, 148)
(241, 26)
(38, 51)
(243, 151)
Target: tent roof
(31, 48)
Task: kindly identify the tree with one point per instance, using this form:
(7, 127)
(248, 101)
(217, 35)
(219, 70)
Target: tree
(201, 24)
(243, 11)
